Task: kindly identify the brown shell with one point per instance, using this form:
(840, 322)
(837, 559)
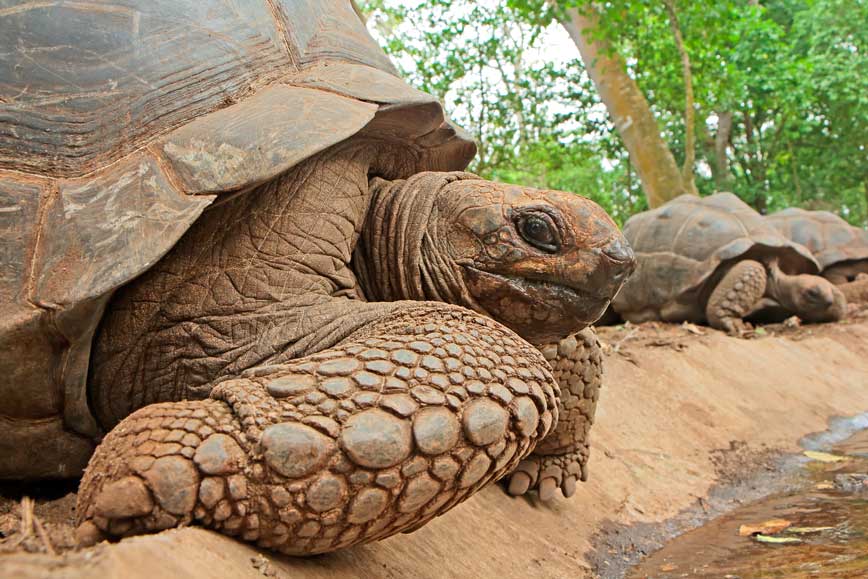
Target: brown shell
(121, 122)
(680, 245)
(831, 239)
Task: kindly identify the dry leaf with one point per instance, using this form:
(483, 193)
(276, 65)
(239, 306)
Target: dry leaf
(824, 456)
(808, 530)
(825, 485)
(668, 567)
(769, 527)
(692, 328)
(778, 540)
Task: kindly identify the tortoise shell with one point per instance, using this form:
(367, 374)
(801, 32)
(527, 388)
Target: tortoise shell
(120, 122)
(831, 239)
(681, 245)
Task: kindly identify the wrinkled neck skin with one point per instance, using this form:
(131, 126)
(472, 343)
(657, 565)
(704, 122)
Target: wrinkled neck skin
(401, 253)
(260, 278)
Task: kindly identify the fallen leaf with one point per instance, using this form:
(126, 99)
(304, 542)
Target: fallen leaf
(668, 567)
(824, 456)
(792, 322)
(825, 485)
(760, 331)
(776, 540)
(769, 527)
(692, 328)
(808, 530)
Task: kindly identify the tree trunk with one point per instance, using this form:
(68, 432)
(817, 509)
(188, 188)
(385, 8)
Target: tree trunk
(628, 108)
(722, 176)
(687, 170)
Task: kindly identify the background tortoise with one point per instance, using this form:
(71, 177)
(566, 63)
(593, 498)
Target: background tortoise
(840, 248)
(229, 202)
(715, 259)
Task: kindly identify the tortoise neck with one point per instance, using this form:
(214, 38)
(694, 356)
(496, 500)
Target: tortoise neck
(782, 287)
(400, 255)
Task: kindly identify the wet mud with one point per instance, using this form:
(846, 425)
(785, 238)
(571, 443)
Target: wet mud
(814, 524)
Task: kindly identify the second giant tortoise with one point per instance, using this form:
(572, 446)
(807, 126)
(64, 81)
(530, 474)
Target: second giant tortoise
(840, 248)
(716, 260)
(236, 240)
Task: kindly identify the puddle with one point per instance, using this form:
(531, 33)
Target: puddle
(827, 514)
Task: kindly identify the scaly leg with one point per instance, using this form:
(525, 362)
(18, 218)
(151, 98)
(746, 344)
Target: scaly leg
(562, 457)
(735, 296)
(391, 427)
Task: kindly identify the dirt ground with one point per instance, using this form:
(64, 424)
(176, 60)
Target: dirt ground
(685, 410)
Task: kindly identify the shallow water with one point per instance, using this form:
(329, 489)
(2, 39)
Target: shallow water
(833, 496)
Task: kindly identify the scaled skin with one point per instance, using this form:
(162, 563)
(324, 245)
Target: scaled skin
(339, 412)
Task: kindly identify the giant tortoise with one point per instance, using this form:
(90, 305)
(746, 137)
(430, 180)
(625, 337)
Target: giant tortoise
(716, 260)
(235, 241)
(840, 248)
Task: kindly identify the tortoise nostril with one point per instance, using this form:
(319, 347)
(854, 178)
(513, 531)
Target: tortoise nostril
(619, 250)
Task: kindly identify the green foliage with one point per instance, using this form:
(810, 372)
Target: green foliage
(792, 73)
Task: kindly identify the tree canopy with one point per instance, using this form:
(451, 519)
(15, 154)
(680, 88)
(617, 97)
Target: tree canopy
(780, 93)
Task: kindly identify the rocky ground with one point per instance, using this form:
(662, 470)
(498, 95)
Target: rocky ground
(690, 423)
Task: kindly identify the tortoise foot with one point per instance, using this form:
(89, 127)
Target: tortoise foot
(548, 473)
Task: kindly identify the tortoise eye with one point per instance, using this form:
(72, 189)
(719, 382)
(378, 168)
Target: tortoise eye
(538, 230)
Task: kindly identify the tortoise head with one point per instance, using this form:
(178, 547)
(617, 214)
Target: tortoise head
(811, 297)
(544, 263)
(816, 299)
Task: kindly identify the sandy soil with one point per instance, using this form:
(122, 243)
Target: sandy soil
(684, 409)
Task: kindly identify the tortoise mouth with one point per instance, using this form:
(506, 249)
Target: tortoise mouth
(537, 309)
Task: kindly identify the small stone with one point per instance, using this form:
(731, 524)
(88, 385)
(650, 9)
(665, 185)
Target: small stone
(175, 484)
(291, 385)
(376, 439)
(219, 454)
(475, 470)
(326, 492)
(296, 450)
(417, 492)
(436, 430)
(127, 497)
(485, 421)
(367, 505)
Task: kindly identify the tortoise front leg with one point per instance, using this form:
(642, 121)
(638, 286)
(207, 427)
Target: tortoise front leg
(391, 427)
(561, 458)
(735, 296)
